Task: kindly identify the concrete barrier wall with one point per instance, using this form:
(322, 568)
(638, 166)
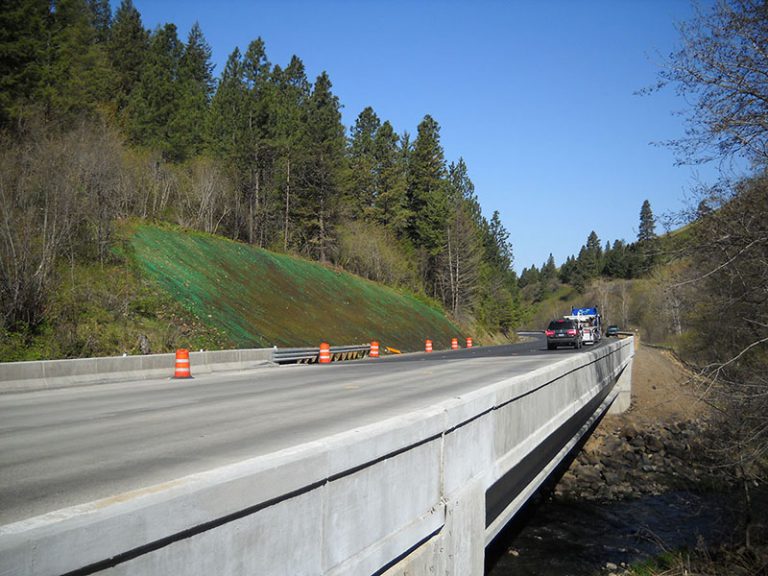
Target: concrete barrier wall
(409, 495)
(19, 376)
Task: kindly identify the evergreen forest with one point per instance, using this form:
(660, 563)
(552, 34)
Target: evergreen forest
(103, 121)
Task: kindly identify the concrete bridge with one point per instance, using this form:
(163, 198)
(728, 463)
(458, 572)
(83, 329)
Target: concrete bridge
(403, 466)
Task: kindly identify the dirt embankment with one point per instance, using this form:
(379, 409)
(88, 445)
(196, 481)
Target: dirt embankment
(661, 390)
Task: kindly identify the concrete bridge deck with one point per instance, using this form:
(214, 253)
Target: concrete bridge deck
(351, 468)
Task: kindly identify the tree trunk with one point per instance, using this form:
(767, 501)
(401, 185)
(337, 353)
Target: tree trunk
(287, 203)
(322, 229)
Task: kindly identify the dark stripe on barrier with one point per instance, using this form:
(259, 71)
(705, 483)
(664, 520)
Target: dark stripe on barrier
(511, 484)
(188, 533)
(386, 456)
(407, 553)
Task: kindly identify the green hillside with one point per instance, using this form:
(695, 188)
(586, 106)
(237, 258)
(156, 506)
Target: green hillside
(258, 298)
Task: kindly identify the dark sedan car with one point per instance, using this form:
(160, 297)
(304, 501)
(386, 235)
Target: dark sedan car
(612, 330)
(563, 332)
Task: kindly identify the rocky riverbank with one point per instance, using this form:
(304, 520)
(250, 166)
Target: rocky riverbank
(657, 446)
(625, 459)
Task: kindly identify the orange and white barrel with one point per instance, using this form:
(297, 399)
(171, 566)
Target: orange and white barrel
(325, 353)
(374, 349)
(454, 343)
(182, 364)
(469, 342)
(428, 346)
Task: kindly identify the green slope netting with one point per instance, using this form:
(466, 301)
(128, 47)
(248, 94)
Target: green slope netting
(263, 299)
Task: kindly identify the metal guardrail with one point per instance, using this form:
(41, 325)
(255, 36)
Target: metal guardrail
(295, 355)
(311, 355)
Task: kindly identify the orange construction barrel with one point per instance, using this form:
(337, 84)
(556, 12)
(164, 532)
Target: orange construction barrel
(469, 342)
(374, 349)
(428, 346)
(325, 353)
(182, 364)
(454, 343)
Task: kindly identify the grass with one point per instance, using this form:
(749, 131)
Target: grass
(176, 288)
(103, 310)
(259, 298)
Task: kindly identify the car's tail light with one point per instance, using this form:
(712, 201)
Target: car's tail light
(549, 332)
(571, 332)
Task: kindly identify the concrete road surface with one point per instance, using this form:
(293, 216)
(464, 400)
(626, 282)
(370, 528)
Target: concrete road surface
(64, 447)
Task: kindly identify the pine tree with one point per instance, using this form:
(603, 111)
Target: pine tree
(580, 273)
(549, 275)
(257, 154)
(647, 230)
(23, 47)
(231, 137)
(228, 115)
(567, 270)
(290, 139)
(318, 207)
(616, 261)
(590, 259)
(427, 199)
(647, 241)
(196, 86)
(78, 76)
(426, 188)
(156, 98)
(127, 47)
(499, 298)
(529, 277)
(498, 250)
(362, 140)
(459, 262)
(390, 182)
(101, 18)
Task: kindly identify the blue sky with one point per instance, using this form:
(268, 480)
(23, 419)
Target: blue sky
(539, 98)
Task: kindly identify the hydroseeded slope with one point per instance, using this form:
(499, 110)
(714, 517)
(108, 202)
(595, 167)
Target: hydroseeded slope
(263, 299)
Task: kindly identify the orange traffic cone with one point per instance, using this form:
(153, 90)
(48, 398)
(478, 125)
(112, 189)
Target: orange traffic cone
(325, 353)
(182, 364)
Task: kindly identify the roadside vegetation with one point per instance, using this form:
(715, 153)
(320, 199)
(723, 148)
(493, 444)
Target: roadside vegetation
(717, 282)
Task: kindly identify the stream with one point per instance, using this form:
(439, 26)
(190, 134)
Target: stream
(569, 538)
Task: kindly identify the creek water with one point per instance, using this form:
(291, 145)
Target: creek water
(580, 538)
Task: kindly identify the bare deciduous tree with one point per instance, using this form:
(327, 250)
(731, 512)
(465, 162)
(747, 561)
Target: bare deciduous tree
(721, 67)
(56, 197)
(459, 263)
(206, 196)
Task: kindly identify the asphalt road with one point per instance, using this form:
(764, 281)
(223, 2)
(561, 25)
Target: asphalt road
(64, 447)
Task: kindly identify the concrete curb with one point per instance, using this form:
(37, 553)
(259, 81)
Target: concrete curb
(52, 374)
